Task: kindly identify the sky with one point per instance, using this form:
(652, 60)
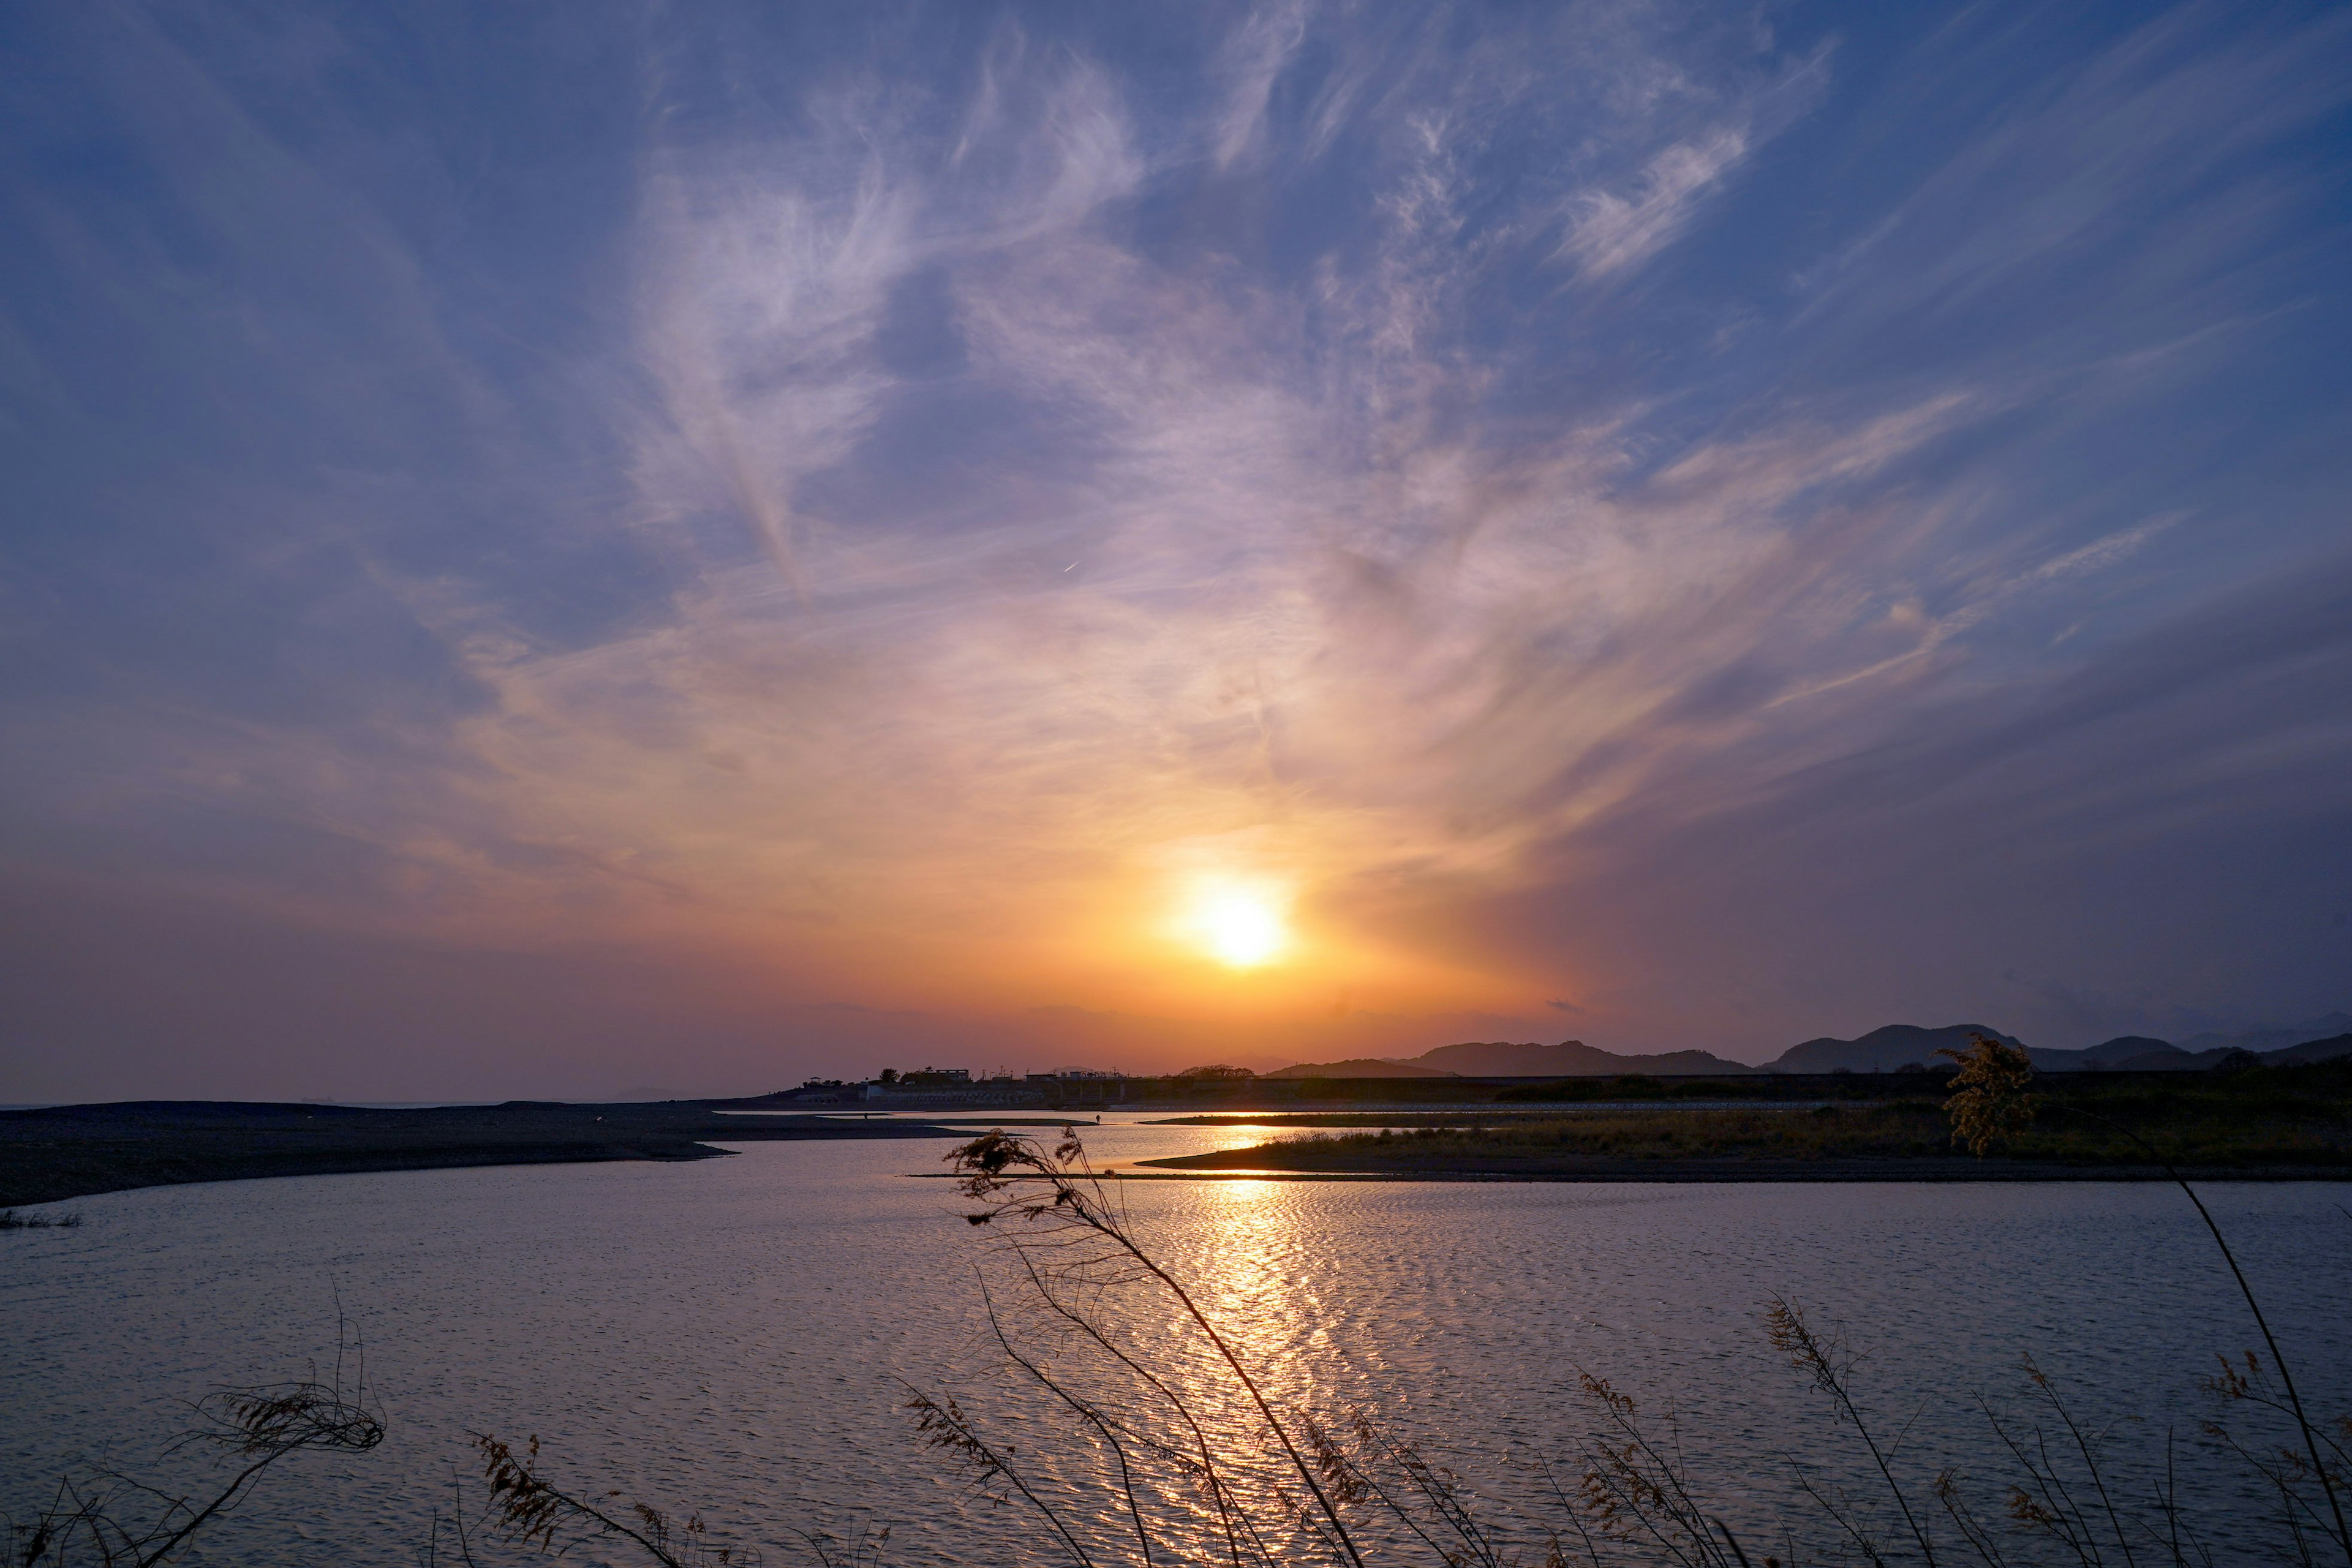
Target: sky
(611, 549)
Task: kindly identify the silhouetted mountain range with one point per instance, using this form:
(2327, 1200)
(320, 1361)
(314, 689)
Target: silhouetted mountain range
(2270, 1038)
(2319, 1040)
(1504, 1058)
(1881, 1050)
(1887, 1049)
(1360, 1066)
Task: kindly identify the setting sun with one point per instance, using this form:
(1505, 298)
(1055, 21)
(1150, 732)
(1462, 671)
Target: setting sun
(1238, 925)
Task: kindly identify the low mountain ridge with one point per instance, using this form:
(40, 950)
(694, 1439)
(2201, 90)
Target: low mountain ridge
(2125, 1053)
(1884, 1049)
(2265, 1038)
(1507, 1059)
(1899, 1044)
(2318, 1040)
(1570, 1059)
(1359, 1067)
(2325, 1050)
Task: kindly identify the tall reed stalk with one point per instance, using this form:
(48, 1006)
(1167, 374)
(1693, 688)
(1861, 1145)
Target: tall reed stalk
(1995, 1098)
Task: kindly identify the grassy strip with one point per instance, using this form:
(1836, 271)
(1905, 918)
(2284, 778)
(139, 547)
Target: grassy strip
(2269, 1119)
(1870, 1086)
(1466, 1118)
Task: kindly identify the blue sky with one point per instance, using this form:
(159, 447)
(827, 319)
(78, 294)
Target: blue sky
(785, 531)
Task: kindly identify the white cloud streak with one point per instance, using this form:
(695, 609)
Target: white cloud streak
(1305, 618)
(1301, 618)
(1612, 233)
(1155, 547)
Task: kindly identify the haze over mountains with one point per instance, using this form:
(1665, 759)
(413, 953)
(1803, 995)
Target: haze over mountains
(1887, 1049)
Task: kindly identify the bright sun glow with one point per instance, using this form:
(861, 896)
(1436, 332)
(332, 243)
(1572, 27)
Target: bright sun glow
(1237, 925)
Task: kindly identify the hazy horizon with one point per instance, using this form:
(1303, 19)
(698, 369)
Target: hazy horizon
(553, 553)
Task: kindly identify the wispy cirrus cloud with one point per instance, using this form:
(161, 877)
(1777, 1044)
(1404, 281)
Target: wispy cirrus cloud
(1611, 233)
(976, 472)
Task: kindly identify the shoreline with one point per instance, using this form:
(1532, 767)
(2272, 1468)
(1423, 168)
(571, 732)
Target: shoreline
(56, 1153)
(2263, 1125)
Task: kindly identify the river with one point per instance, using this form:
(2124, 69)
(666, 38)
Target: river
(737, 1337)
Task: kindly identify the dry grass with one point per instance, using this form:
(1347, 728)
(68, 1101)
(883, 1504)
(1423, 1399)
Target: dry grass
(1824, 1133)
(105, 1519)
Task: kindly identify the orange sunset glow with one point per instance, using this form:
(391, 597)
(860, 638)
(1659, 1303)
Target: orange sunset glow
(1227, 783)
(1146, 542)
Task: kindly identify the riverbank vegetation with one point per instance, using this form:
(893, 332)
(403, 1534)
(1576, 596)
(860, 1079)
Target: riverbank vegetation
(2284, 1121)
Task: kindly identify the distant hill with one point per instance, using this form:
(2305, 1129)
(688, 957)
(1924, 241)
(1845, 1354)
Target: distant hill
(2132, 1053)
(1881, 1050)
(1359, 1067)
(2164, 1057)
(1887, 1049)
(2265, 1038)
(1570, 1059)
(1505, 1059)
(1884, 1051)
(2325, 1050)
(2318, 1040)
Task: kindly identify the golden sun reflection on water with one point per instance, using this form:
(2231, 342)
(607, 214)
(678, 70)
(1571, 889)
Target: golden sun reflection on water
(1264, 1302)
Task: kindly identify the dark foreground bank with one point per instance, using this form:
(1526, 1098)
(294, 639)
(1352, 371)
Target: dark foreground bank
(74, 1151)
(2264, 1124)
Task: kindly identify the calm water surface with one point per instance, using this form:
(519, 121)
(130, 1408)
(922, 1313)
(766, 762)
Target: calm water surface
(730, 1335)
